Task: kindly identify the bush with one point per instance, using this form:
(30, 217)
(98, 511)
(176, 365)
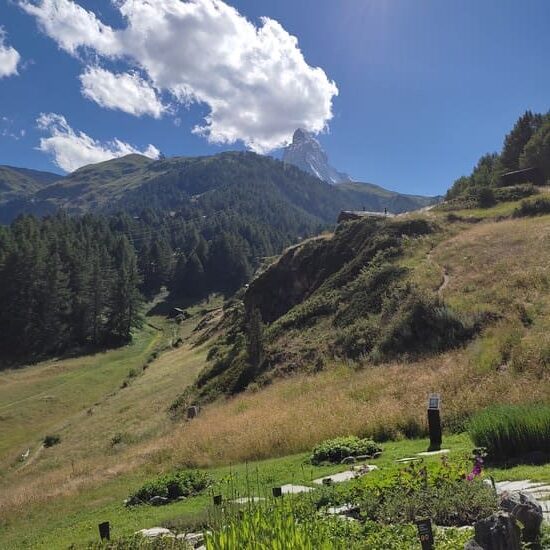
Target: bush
(533, 207)
(51, 440)
(509, 431)
(172, 486)
(357, 340)
(416, 323)
(515, 192)
(335, 450)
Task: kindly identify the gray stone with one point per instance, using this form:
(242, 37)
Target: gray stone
(524, 508)
(155, 532)
(345, 476)
(498, 532)
(472, 545)
(290, 489)
(348, 460)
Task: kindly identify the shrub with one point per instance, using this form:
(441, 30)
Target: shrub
(512, 431)
(533, 207)
(357, 340)
(335, 450)
(416, 323)
(441, 491)
(172, 486)
(515, 192)
(51, 440)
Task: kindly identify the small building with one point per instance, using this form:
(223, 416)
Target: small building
(351, 215)
(526, 175)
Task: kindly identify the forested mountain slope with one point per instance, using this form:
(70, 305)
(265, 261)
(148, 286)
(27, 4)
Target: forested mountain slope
(18, 183)
(188, 185)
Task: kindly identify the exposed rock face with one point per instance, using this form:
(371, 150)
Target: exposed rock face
(498, 532)
(525, 509)
(306, 153)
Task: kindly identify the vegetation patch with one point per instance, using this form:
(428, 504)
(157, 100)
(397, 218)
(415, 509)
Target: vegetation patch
(335, 450)
(172, 487)
(513, 432)
(533, 207)
(51, 440)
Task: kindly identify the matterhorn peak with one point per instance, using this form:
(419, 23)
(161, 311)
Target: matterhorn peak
(306, 153)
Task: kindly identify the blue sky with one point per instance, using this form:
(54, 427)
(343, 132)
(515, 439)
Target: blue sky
(424, 87)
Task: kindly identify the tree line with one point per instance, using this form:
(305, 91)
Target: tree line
(527, 145)
(68, 282)
(65, 282)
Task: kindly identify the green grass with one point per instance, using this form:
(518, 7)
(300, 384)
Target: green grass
(37, 400)
(74, 519)
(512, 431)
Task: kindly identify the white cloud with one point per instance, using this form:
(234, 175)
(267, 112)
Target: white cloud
(9, 57)
(127, 92)
(72, 149)
(254, 79)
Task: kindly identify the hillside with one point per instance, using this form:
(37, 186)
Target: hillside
(117, 412)
(135, 182)
(19, 183)
(400, 289)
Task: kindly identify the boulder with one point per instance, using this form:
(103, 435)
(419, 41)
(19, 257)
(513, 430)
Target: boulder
(498, 532)
(524, 508)
(472, 545)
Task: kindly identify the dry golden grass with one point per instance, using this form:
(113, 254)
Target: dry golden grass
(491, 265)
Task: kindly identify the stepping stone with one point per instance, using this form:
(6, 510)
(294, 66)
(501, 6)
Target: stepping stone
(155, 532)
(342, 510)
(348, 475)
(247, 500)
(408, 459)
(290, 489)
(432, 453)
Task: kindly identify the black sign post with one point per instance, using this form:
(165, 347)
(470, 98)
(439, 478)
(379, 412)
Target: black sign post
(277, 492)
(425, 533)
(434, 421)
(105, 530)
(217, 499)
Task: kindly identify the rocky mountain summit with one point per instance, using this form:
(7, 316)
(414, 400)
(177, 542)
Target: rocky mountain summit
(306, 153)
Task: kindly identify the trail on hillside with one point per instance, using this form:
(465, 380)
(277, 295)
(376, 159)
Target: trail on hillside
(445, 273)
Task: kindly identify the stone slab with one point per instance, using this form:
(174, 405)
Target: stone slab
(348, 475)
(433, 453)
(247, 500)
(290, 489)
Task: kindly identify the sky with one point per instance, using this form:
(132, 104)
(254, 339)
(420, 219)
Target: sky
(407, 94)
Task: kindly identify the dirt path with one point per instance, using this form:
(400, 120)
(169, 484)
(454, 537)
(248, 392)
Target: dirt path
(446, 277)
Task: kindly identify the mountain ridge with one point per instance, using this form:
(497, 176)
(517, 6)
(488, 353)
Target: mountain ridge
(134, 182)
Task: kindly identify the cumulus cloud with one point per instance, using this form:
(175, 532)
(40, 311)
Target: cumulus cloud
(9, 57)
(127, 92)
(72, 149)
(254, 79)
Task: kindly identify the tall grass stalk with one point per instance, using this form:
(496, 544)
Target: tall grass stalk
(508, 431)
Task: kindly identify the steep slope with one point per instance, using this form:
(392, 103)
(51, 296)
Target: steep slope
(135, 183)
(404, 290)
(17, 183)
(306, 153)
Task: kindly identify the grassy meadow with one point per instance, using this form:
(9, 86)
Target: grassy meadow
(110, 409)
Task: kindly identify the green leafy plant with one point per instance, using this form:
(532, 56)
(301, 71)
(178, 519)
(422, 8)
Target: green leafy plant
(172, 487)
(335, 450)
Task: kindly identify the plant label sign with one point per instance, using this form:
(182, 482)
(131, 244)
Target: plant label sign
(425, 533)
(105, 530)
(434, 401)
